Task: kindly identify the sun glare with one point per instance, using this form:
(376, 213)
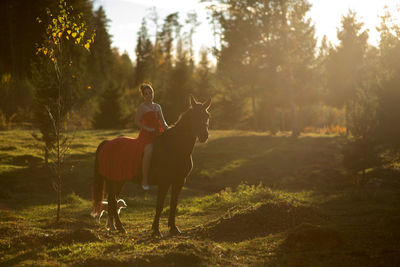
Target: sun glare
(327, 16)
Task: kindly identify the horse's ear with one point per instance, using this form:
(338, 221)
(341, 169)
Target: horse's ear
(207, 104)
(192, 101)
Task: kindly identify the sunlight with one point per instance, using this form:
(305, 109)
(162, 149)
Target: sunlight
(327, 16)
(126, 16)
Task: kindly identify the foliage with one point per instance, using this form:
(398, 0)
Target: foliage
(54, 81)
(263, 59)
(63, 26)
(144, 55)
(389, 93)
(110, 115)
(269, 74)
(345, 63)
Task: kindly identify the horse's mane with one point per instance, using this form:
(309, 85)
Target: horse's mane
(180, 122)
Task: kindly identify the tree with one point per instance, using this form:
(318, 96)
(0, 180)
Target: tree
(193, 23)
(297, 49)
(110, 115)
(163, 51)
(389, 93)
(345, 63)
(239, 59)
(101, 59)
(144, 55)
(63, 27)
(177, 90)
(362, 151)
(202, 77)
(266, 55)
(17, 51)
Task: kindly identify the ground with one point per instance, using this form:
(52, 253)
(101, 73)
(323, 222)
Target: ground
(253, 199)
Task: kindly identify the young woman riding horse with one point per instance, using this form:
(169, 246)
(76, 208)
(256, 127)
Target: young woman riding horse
(171, 162)
(150, 119)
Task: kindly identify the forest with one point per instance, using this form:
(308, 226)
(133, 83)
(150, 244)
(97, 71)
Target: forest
(301, 128)
(269, 72)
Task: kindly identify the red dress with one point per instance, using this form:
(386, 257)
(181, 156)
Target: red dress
(121, 158)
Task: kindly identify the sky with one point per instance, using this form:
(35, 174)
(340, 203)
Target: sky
(126, 17)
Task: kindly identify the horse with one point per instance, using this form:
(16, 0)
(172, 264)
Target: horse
(170, 164)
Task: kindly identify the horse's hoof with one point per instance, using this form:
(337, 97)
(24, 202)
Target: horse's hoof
(174, 231)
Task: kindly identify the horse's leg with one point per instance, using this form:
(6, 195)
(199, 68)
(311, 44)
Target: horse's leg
(112, 205)
(162, 192)
(118, 224)
(176, 190)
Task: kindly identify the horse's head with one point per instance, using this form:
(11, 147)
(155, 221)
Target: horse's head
(200, 118)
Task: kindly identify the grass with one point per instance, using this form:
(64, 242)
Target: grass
(252, 199)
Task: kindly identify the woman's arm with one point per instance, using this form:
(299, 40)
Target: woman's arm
(164, 123)
(138, 119)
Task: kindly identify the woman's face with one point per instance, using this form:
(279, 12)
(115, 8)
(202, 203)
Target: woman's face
(148, 94)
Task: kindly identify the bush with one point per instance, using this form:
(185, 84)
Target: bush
(73, 199)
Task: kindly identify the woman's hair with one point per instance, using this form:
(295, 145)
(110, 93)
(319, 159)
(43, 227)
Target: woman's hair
(145, 86)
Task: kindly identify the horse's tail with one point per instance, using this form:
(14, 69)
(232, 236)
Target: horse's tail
(98, 185)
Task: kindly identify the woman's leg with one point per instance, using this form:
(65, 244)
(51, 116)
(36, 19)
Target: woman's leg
(148, 150)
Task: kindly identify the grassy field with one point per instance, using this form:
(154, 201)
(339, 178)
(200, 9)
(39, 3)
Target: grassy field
(252, 199)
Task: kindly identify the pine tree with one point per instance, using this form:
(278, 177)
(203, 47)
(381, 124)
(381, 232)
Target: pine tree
(110, 110)
(389, 93)
(203, 76)
(144, 56)
(177, 91)
(345, 63)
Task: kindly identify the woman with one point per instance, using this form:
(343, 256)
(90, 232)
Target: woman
(150, 119)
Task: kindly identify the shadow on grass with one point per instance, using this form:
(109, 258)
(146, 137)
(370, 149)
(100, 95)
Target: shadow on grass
(37, 182)
(290, 164)
(286, 163)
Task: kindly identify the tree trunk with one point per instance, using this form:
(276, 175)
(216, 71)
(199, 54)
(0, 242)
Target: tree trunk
(347, 117)
(253, 104)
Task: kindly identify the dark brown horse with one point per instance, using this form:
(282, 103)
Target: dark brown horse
(171, 163)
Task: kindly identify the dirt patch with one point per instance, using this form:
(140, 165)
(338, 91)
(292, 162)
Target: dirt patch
(242, 223)
(68, 223)
(107, 262)
(78, 235)
(309, 236)
(183, 254)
